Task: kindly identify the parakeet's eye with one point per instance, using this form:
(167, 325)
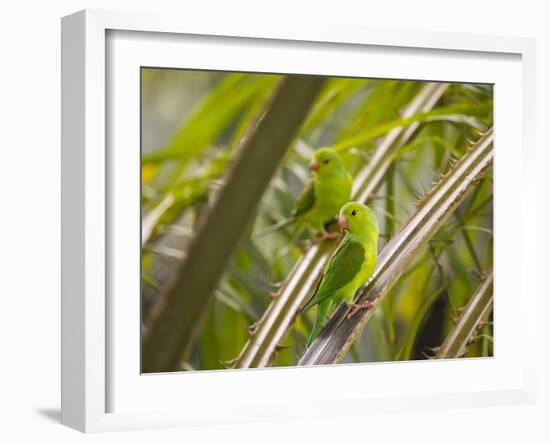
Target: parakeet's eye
(354, 212)
(326, 161)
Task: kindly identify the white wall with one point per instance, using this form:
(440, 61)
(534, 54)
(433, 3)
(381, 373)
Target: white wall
(30, 220)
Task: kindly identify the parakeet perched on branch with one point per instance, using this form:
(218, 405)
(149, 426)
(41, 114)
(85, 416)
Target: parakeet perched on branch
(350, 266)
(323, 195)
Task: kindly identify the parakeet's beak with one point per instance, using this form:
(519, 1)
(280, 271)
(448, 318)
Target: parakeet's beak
(313, 166)
(343, 222)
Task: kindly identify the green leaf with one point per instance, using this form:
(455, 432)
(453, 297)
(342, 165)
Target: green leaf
(448, 114)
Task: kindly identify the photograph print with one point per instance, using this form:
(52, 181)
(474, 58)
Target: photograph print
(293, 220)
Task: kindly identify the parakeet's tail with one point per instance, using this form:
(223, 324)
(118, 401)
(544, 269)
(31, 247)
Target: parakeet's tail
(281, 224)
(310, 303)
(321, 314)
(316, 298)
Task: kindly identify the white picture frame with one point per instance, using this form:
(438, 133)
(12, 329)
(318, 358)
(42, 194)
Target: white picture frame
(89, 326)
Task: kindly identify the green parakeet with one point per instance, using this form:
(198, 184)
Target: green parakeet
(323, 195)
(351, 264)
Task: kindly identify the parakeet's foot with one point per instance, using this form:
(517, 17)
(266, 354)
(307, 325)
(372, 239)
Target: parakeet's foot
(326, 236)
(356, 307)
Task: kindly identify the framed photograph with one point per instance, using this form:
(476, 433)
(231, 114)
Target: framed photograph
(252, 213)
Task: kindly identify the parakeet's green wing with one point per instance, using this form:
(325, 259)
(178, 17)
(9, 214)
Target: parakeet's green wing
(305, 201)
(341, 269)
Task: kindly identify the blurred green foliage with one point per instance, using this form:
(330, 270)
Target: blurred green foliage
(191, 123)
